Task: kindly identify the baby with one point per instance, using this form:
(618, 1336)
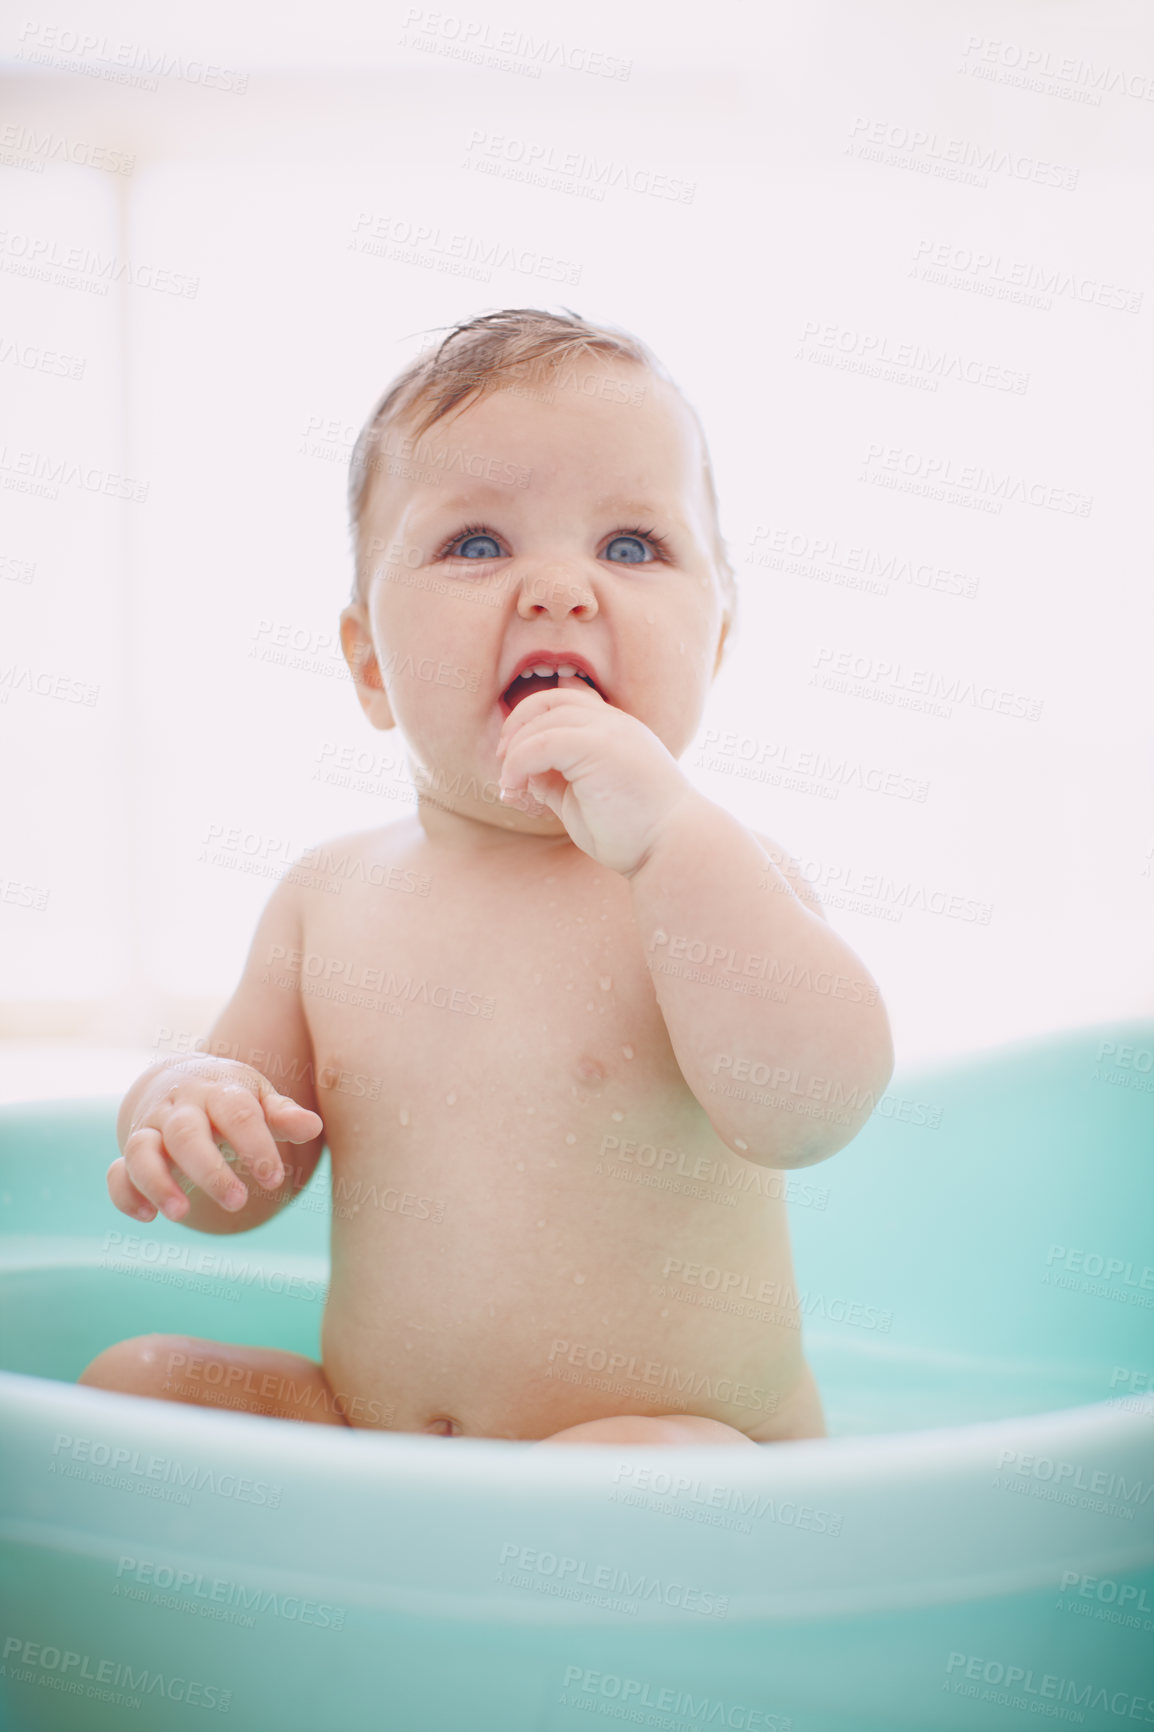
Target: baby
(563, 1029)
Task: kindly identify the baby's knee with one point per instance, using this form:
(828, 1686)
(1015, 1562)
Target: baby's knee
(643, 1431)
(138, 1366)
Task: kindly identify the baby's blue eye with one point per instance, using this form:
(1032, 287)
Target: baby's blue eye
(628, 550)
(478, 547)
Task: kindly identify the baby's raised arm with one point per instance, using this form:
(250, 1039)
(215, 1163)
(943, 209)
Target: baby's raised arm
(175, 1116)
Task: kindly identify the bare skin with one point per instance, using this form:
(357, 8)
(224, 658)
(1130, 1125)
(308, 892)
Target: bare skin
(549, 1224)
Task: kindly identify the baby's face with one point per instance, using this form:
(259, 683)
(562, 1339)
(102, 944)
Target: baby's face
(577, 527)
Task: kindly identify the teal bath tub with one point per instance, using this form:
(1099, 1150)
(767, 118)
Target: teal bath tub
(973, 1547)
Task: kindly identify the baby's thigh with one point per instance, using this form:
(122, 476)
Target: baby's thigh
(687, 1429)
(185, 1368)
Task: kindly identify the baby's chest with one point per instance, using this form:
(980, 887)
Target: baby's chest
(491, 1015)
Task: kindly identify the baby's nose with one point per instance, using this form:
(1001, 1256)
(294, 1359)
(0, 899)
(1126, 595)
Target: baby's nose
(556, 590)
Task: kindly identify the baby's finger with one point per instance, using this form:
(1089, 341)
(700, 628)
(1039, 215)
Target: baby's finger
(188, 1140)
(238, 1118)
(531, 716)
(149, 1172)
(557, 748)
(125, 1195)
(289, 1121)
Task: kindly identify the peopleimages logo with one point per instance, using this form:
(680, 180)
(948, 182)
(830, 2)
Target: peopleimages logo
(215, 1595)
(1106, 1591)
(1071, 1484)
(1071, 76)
(992, 487)
(634, 1693)
(101, 56)
(1017, 280)
(26, 1662)
(524, 1566)
(860, 674)
(461, 254)
(569, 170)
(655, 1489)
(1076, 1260)
(1096, 1480)
(37, 148)
(1014, 1686)
(487, 44)
(154, 1473)
(901, 146)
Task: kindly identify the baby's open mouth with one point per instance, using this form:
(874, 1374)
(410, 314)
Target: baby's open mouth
(541, 679)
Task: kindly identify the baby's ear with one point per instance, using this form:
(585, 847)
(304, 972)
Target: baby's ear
(357, 643)
(721, 642)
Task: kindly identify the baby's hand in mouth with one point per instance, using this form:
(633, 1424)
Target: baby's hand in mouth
(603, 772)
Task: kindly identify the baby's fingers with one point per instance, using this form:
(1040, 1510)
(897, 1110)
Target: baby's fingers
(148, 1171)
(189, 1141)
(238, 1119)
(125, 1195)
(289, 1121)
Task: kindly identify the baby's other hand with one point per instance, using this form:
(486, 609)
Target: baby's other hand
(180, 1125)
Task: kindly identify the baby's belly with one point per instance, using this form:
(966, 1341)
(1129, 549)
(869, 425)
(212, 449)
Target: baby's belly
(513, 1294)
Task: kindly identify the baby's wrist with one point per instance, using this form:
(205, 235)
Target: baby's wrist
(684, 820)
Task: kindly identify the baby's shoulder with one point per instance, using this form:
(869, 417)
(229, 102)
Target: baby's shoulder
(381, 857)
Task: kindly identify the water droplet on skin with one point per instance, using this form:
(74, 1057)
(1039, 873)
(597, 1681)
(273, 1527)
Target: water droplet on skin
(520, 1166)
(568, 986)
(569, 1137)
(739, 1143)
(530, 1109)
(664, 1313)
(628, 1051)
(540, 1223)
(536, 980)
(650, 619)
(451, 1100)
(589, 1007)
(617, 1116)
(605, 982)
(404, 1115)
(580, 1280)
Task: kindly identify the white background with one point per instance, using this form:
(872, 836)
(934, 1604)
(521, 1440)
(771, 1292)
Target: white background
(829, 150)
